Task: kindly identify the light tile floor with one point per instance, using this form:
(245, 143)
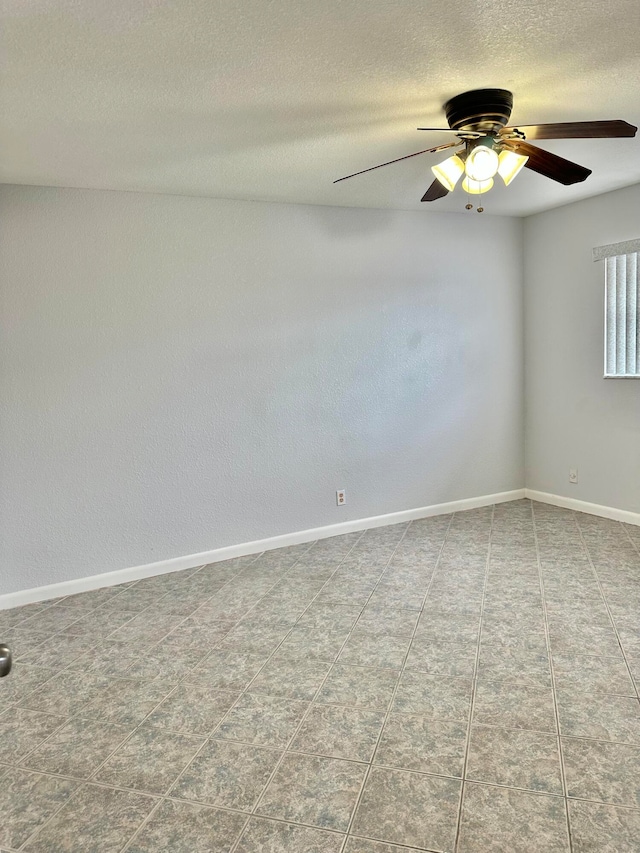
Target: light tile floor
(462, 683)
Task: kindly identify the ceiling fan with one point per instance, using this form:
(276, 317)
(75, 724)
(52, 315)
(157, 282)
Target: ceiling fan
(486, 146)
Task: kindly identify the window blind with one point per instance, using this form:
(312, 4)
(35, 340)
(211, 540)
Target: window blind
(622, 325)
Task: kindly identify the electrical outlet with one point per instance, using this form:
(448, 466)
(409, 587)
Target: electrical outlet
(341, 497)
(573, 475)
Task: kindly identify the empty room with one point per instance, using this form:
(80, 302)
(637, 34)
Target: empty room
(319, 426)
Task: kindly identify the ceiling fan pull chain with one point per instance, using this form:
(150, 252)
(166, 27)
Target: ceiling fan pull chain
(468, 205)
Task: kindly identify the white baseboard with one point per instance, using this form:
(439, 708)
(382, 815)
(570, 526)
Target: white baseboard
(56, 590)
(584, 506)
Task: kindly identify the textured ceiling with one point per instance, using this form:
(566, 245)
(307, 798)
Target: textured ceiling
(273, 99)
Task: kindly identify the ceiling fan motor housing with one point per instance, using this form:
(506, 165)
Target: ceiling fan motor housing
(481, 110)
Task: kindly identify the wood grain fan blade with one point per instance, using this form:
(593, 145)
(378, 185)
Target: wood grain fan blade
(398, 159)
(576, 130)
(435, 191)
(548, 164)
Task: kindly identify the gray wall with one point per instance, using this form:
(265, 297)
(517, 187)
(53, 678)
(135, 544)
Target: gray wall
(180, 374)
(574, 417)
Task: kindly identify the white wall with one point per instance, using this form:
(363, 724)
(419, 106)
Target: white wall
(574, 417)
(179, 374)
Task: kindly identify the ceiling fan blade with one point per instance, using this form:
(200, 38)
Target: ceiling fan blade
(548, 164)
(462, 133)
(398, 159)
(576, 130)
(435, 191)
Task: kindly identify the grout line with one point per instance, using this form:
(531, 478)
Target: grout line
(553, 678)
(144, 823)
(400, 847)
(475, 681)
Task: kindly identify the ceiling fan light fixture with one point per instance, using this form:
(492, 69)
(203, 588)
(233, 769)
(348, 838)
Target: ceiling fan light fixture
(449, 171)
(510, 165)
(482, 163)
(487, 145)
(476, 187)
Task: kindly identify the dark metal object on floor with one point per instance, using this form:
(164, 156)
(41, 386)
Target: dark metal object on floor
(5, 660)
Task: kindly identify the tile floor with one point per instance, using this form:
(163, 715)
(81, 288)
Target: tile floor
(462, 683)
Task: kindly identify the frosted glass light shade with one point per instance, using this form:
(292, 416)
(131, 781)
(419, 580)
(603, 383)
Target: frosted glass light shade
(448, 172)
(482, 163)
(477, 187)
(510, 165)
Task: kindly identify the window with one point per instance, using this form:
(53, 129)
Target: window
(622, 308)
